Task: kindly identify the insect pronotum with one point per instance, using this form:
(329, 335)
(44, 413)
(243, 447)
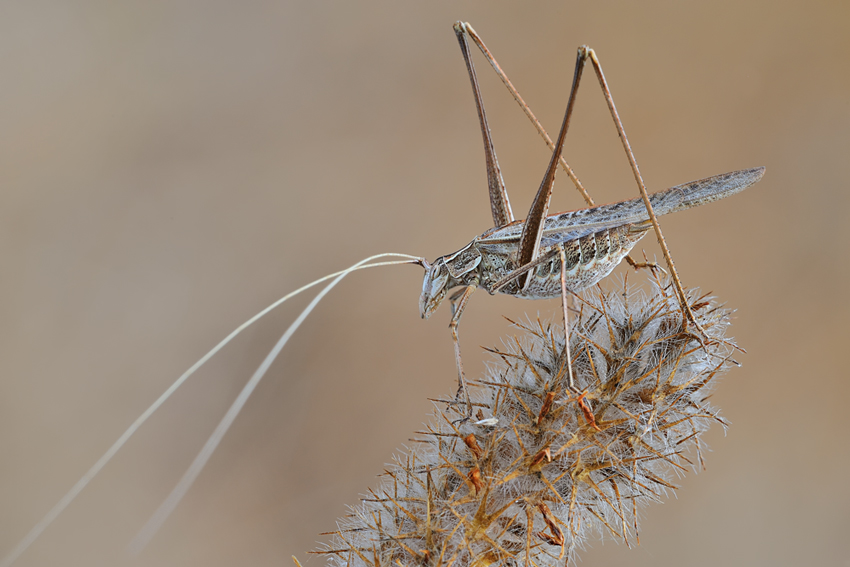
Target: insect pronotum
(540, 257)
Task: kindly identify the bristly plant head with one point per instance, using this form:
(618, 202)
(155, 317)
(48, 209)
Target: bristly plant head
(541, 468)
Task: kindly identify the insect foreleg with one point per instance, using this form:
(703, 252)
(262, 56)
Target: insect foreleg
(458, 302)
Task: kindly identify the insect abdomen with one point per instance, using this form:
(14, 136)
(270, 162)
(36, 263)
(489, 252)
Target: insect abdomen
(588, 259)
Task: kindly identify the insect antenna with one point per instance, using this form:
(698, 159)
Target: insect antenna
(148, 531)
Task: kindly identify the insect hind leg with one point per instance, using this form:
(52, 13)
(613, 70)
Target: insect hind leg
(584, 54)
(467, 30)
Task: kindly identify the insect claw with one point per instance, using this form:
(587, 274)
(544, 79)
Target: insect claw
(700, 336)
(646, 264)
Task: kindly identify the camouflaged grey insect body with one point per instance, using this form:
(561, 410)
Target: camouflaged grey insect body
(545, 256)
(595, 240)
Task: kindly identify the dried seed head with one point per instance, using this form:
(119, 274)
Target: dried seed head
(557, 466)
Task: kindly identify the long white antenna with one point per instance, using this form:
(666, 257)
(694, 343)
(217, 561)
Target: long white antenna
(60, 506)
(170, 503)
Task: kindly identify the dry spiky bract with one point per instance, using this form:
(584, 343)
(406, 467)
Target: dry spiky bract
(544, 467)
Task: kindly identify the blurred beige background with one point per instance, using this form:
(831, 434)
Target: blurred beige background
(167, 169)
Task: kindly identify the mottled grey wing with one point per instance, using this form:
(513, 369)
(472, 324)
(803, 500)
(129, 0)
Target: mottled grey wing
(585, 221)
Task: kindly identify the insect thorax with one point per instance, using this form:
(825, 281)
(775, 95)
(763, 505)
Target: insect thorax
(589, 258)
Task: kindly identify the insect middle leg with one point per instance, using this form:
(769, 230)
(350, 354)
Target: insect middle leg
(566, 307)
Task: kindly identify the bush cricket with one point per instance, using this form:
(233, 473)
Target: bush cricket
(540, 257)
(547, 256)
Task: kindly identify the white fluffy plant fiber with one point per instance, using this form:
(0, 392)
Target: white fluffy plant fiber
(541, 468)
